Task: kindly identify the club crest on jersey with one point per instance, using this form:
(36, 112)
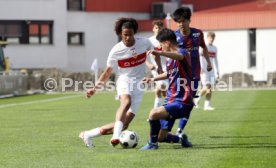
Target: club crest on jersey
(134, 53)
(196, 35)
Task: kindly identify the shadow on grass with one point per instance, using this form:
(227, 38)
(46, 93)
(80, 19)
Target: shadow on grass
(223, 146)
(244, 108)
(221, 137)
(241, 145)
(234, 121)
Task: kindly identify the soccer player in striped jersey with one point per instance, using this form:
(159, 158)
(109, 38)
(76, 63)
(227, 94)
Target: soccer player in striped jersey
(127, 58)
(179, 99)
(190, 39)
(208, 78)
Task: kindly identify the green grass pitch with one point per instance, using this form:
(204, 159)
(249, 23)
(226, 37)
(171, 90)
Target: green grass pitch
(42, 131)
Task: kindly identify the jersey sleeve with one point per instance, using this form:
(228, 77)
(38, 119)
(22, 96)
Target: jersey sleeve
(111, 60)
(202, 42)
(150, 45)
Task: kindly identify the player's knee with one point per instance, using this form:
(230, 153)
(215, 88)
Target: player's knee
(158, 93)
(208, 91)
(126, 103)
(208, 86)
(154, 114)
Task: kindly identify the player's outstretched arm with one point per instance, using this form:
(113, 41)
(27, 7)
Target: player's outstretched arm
(162, 76)
(172, 55)
(100, 83)
(157, 60)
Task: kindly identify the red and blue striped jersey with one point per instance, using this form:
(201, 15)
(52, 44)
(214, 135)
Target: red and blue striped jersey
(191, 44)
(178, 73)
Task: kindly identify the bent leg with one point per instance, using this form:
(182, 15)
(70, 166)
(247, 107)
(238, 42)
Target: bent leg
(154, 120)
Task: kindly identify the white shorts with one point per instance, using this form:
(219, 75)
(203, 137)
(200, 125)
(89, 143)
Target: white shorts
(135, 91)
(208, 78)
(164, 82)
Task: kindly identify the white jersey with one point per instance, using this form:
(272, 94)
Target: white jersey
(129, 62)
(212, 52)
(156, 46)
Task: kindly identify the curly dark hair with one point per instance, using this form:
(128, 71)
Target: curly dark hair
(182, 13)
(128, 23)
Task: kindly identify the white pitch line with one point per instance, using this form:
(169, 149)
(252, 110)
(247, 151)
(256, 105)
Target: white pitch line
(38, 101)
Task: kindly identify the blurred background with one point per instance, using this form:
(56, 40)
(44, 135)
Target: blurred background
(61, 38)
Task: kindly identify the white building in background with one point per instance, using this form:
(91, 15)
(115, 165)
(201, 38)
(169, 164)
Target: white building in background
(234, 53)
(58, 33)
(70, 34)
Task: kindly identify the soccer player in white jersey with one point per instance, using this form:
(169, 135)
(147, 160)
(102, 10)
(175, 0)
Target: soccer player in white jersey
(161, 85)
(208, 77)
(127, 58)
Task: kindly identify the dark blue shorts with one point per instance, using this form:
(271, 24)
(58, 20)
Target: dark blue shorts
(176, 111)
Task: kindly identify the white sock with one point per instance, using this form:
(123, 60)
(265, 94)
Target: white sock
(118, 126)
(157, 102)
(196, 100)
(93, 133)
(206, 103)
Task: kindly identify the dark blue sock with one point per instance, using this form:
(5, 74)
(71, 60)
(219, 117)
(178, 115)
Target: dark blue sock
(182, 123)
(154, 130)
(171, 138)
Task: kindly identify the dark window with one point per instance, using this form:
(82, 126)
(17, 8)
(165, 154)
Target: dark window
(252, 48)
(11, 31)
(75, 5)
(27, 32)
(158, 11)
(75, 38)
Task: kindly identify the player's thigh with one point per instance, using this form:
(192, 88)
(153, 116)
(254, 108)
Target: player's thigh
(136, 98)
(178, 110)
(125, 101)
(208, 79)
(158, 113)
(124, 93)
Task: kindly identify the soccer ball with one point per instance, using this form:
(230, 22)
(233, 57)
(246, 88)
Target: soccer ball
(128, 139)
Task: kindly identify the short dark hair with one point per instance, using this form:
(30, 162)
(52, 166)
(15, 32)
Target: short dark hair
(166, 34)
(182, 13)
(158, 23)
(128, 23)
